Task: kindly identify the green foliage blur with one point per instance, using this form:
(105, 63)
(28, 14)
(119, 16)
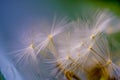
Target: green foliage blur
(77, 7)
(1, 76)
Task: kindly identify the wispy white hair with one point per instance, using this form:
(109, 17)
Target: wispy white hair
(65, 46)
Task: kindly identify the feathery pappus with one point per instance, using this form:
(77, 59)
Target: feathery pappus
(69, 50)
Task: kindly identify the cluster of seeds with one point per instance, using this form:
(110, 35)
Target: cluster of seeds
(70, 50)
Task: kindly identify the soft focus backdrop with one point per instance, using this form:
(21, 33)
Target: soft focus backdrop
(20, 17)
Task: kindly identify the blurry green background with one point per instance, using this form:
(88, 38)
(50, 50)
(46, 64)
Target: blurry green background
(1, 76)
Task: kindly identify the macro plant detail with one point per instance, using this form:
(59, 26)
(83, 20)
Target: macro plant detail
(69, 50)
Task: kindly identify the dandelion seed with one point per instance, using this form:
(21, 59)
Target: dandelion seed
(25, 54)
(114, 71)
(49, 37)
(67, 57)
(109, 62)
(78, 46)
(90, 48)
(92, 36)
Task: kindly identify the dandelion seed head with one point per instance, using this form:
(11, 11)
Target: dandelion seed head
(80, 46)
(89, 48)
(109, 62)
(81, 43)
(77, 46)
(31, 46)
(67, 57)
(92, 36)
(50, 36)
